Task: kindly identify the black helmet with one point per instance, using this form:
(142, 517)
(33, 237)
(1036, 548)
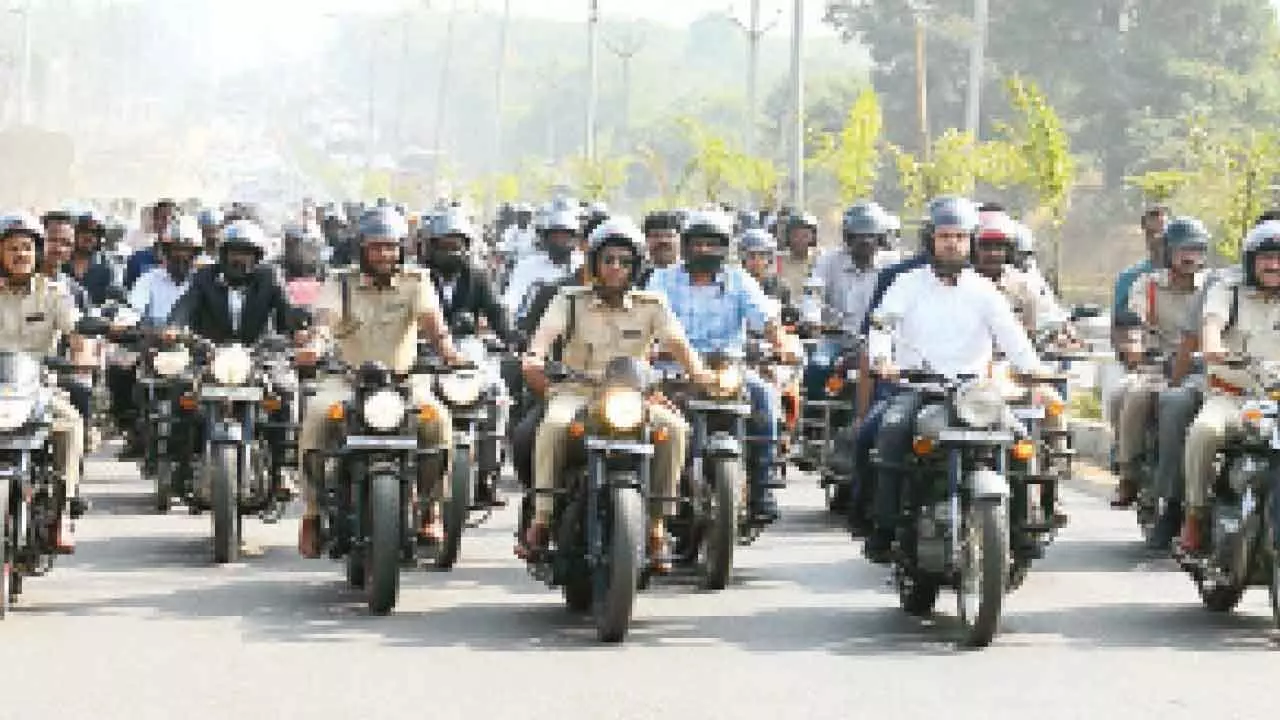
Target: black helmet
(1183, 232)
(1265, 237)
(660, 221)
(621, 231)
(302, 251)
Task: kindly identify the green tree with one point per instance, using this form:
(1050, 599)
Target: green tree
(852, 156)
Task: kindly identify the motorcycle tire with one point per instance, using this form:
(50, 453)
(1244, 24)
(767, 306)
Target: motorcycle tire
(224, 478)
(382, 559)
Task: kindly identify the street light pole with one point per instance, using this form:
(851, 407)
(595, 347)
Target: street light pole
(797, 109)
(24, 88)
(442, 97)
(593, 73)
(754, 33)
(625, 51)
(977, 59)
(500, 91)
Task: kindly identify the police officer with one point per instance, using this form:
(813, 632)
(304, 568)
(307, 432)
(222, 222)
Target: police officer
(609, 319)
(1238, 319)
(799, 233)
(374, 314)
(36, 314)
(1161, 299)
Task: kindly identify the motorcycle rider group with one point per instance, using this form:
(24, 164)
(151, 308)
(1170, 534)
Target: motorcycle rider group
(361, 296)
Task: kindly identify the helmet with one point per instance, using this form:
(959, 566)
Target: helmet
(210, 217)
(805, 220)
(756, 240)
(1265, 237)
(865, 218)
(454, 223)
(1183, 232)
(383, 223)
(707, 223)
(53, 216)
(997, 226)
(953, 212)
(22, 223)
(618, 230)
(596, 214)
(563, 221)
(91, 222)
(245, 234)
(185, 231)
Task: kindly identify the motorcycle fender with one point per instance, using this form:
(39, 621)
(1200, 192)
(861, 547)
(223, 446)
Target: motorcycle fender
(225, 432)
(721, 445)
(987, 484)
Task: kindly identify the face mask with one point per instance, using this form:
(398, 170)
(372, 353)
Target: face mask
(559, 254)
(448, 262)
(179, 269)
(705, 264)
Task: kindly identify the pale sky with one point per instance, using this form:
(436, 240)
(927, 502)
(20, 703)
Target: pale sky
(297, 28)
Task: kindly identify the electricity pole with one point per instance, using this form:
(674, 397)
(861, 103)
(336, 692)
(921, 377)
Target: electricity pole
(797, 109)
(625, 50)
(501, 89)
(593, 73)
(754, 34)
(977, 59)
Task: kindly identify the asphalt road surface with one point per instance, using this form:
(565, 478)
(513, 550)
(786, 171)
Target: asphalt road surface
(139, 624)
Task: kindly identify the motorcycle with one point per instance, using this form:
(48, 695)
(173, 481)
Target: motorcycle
(168, 379)
(371, 501)
(714, 513)
(598, 552)
(237, 459)
(955, 524)
(1243, 524)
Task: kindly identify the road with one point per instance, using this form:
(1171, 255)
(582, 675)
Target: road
(139, 625)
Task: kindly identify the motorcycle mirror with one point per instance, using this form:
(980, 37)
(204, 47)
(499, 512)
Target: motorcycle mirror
(92, 326)
(1085, 311)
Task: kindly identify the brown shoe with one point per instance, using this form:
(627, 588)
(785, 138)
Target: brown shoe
(1189, 539)
(659, 550)
(309, 537)
(535, 541)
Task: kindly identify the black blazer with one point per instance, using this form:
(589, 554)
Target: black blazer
(205, 311)
(473, 293)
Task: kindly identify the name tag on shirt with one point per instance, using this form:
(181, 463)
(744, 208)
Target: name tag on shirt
(631, 334)
(35, 317)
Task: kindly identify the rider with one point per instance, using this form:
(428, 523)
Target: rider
(557, 259)
(162, 216)
(302, 259)
(715, 303)
(238, 298)
(759, 252)
(463, 287)
(662, 237)
(1161, 300)
(211, 222)
(157, 290)
(1153, 222)
(59, 242)
(848, 274)
(36, 314)
(1238, 319)
(88, 265)
(519, 239)
(995, 255)
(944, 317)
(594, 325)
(800, 236)
(375, 314)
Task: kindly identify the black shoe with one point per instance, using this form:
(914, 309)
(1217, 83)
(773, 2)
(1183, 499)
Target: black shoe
(766, 508)
(77, 507)
(1167, 527)
(878, 547)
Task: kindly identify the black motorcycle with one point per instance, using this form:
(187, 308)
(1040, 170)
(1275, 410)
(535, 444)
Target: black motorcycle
(598, 552)
(955, 521)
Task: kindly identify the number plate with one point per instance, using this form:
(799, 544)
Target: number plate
(1031, 413)
(230, 392)
(976, 436)
(619, 446)
(391, 442)
(1275, 438)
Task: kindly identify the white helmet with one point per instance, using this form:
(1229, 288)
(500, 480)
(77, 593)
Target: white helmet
(245, 234)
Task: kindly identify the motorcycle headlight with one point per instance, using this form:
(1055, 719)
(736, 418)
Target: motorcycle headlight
(231, 365)
(728, 380)
(623, 409)
(460, 388)
(170, 363)
(1259, 419)
(14, 413)
(980, 405)
(384, 410)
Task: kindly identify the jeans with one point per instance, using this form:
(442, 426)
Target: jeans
(893, 442)
(1177, 408)
(863, 486)
(765, 405)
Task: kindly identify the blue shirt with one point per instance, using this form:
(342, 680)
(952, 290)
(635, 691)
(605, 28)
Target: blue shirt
(715, 316)
(1124, 283)
(139, 262)
(884, 280)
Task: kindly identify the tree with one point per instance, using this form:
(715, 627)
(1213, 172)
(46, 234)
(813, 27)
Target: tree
(853, 155)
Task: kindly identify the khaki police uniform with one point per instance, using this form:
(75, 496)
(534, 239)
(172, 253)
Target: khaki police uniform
(379, 324)
(793, 273)
(1023, 297)
(1163, 310)
(1253, 333)
(601, 333)
(32, 320)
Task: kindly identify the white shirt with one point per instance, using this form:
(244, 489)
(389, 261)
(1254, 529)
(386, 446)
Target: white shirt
(531, 269)
(518, 242)
(949, 327)
(235, 306)
(154, 294)
(845, 288)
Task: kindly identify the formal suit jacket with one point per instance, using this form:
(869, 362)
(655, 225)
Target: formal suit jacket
(206, 311)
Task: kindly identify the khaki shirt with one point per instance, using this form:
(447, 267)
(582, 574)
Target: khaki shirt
(602, 332)
(1255, 331)
(380, 324)
(1152, 293)
(34, 321)
(1022, 297)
